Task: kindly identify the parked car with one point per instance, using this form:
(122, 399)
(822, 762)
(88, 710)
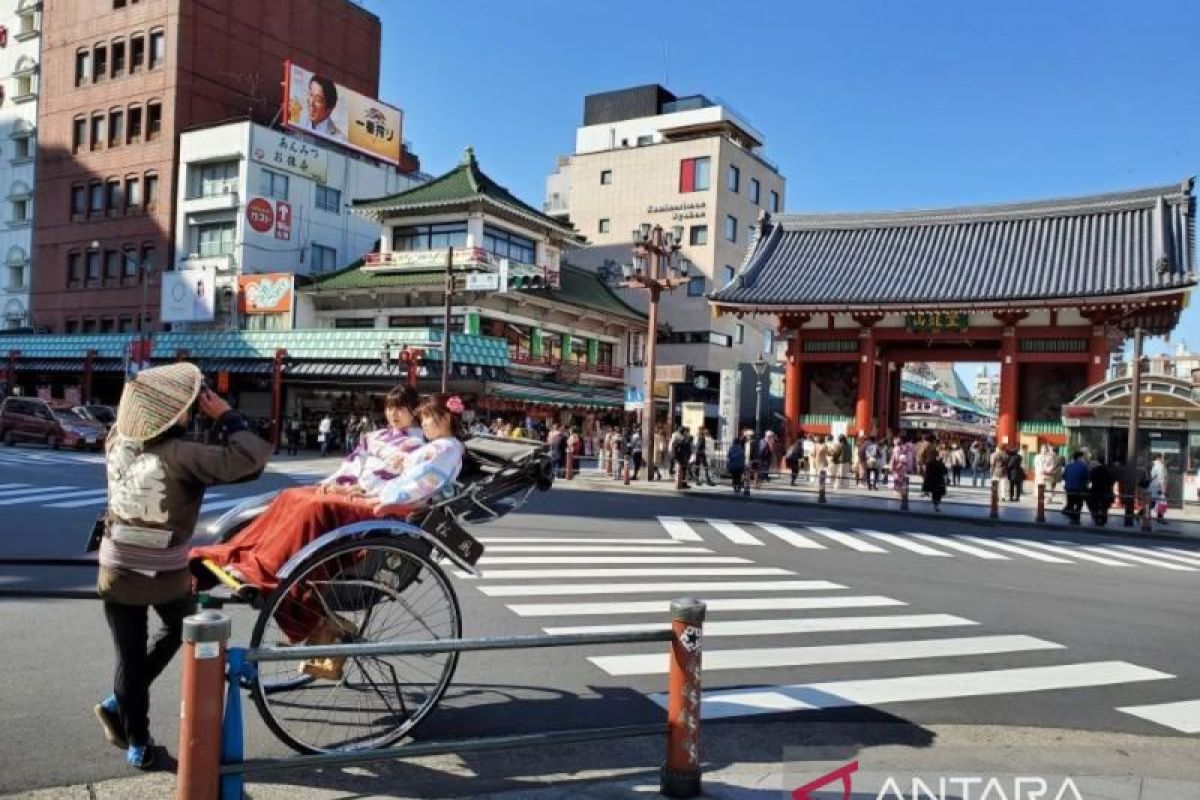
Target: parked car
(105, 415)
(28, 419)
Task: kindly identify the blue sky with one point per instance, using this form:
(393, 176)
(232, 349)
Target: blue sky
(864, 105)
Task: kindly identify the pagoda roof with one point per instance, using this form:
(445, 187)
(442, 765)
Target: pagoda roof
(1108, 246)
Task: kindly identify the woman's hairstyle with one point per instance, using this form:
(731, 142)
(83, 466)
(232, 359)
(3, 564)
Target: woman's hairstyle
(441, 404)
(405, 397)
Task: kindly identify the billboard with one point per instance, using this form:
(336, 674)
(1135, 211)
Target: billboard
(316, 104)
(270, 217)
(269, 293)
(280, 151)
(188, 295)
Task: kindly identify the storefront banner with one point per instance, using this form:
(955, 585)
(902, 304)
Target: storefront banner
(283, 152)
(317, 105)
(188, 295)
(269, 293)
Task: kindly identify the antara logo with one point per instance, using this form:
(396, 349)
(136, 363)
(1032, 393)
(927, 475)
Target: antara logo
(960, 787)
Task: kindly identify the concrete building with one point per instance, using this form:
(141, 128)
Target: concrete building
(644, 155)
(20, 58)
(251, 200)
(987, 388)
(119, 81)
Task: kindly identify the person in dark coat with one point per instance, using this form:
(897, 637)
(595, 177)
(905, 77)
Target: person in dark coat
(935, 481)
(736, 463)
(1100, 496)
(1015, 472)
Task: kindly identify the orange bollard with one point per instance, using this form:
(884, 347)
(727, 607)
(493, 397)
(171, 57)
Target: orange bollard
(204, 638)
(821, 488)
(626, 467)
(680, 776)
(904, 496)
(679, 476)
(994, 511)
(1041, 502)
(570, 465)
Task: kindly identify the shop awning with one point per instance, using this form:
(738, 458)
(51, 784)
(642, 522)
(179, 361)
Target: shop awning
(556, 395)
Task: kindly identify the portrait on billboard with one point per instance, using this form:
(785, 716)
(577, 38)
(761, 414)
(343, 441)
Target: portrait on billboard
(315, 104)
(188, 295)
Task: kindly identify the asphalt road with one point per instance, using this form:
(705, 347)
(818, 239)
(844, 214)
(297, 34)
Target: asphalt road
(927, 622)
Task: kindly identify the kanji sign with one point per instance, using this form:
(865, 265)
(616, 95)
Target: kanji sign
(283, 219)
(260, 215)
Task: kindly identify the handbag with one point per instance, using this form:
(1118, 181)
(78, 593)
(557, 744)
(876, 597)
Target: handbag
(99, 528)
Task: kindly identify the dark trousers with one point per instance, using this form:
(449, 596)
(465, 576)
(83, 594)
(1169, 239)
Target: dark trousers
(1074, 506)
(737, 476)
(636, 459)
(956, 474)
(292, 442)
(137, 665)
(1098, 505)
(1014, 489)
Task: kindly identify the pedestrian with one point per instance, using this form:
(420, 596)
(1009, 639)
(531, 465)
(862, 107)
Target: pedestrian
(735, 462)
(821, 458)
(794, 457)
(810, 449)
(325, 434)
(700, 456)
(634, 452)
(869, 461)
(557, 454)
(291, 428)
(1075, 484)
(352, 428)
(1100, 493)
(935, 480)
(978, 458)
(840, 459)
(998, 464)
(1157, 490)
(1043, 466)
(156, 484)
(1014, 469)
(753, 459)
(958, 460)
(574, 450)
(900, 465)
(683, 455)
(766, 458)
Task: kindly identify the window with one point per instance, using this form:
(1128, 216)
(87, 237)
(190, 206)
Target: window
(149, 254)
(153, 121)
(158, 49)
(642, 141)
(729, 273)
(135, 125)
(324, 259)
(107, 324)
(22, 147)
(215, 239)
(72, 326)
(734, 179)
(116, 127)
(129, 262)
(217, 178)
(137, 54)
(358, 323)
(112, 266)
(774, 202)
(133, 193)
(605, 225)
(99, 62)
(698, 234)
(79, 204)
(694, 174)
(755, 189)
(74, 268)
(430, 237)
(112, 197)
(88, 326)
(696, 286)
(78, 134)
(118, 59)
(97, 131)
(504, 244)
(739, 334)
(93, 267)
(605, 177)
(118, 4)
(20, 210)
(730, 228)
(768, 341)
(329, 199)
(125, 325)
(96, 198)
(26, 87)
(272, 184)
(151, 193)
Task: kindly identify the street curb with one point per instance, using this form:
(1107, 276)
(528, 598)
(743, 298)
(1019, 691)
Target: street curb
(1134, 535)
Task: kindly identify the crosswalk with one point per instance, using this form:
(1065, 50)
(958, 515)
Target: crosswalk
(23, 457)
(762, 620)
(63, 496)
(872, 542)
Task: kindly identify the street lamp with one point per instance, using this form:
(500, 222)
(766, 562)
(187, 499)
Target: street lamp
(144, 271)
(656, 266)
(761, 366)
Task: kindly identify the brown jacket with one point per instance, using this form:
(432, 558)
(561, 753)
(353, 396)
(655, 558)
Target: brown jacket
(155, 490)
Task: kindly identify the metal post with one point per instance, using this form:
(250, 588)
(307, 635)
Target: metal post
(651, 358)
(680, 775)
(821, 488)
(204, 638)
(277, 396)
(994, 509)
(626, 469)
(570, 462)
(1041, 502)
(1144, 498)
(446, 320)
(1135, 402)
(904, 496)
(679, 475)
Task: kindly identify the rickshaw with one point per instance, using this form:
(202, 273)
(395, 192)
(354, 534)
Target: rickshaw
(381, 580)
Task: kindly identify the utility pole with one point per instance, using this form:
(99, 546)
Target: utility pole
(446, 320)
(1135, 402)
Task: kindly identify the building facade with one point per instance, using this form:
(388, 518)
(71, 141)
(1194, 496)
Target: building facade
(255, 201)
(987, 388)
(119, 82)
(20, 66)
(644, 155)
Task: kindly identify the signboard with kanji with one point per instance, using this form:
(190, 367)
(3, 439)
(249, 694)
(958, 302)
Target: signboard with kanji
(936, 322)
(317, 105)
(289, 154)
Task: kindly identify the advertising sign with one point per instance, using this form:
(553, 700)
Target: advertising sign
(729, 404)
(635, 398)
(283, 220)
(692, 415)
(316, 104)
(188, 295)
(280, 151)
(260, 215)
(483, 281)
(270, 293)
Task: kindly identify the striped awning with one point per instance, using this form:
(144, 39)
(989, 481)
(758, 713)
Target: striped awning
(556, 395)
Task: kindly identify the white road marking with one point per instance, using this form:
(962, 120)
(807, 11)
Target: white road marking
(593, 548)
(573, 540)
(1141, 559)
(869, 652)
(37, 495)
(1154, 553)
(845, 539)
(770, 627)
(648, 572)
(1183, 716)
(614, 560)
(840, 694)
(721, 604)
(903, 542)
(732, 532)
(945, 541)
(220, 504)
(1012, 548)
(28, 489)
(701, 587)
(1073, 552)
(1189, 553)
(790, 536)
(91, 501)
(679, 530)
(12, 485)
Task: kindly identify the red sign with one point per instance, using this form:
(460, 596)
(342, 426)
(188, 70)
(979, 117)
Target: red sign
(265, 294)
(260, 215)
(223, 382)
(283, 220)
(1078, 412)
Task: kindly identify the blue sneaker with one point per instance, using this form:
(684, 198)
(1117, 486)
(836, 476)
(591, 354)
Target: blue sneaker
(109, 715)
(141, 756)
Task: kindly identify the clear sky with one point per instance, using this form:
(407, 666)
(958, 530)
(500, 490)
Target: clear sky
(864, 105)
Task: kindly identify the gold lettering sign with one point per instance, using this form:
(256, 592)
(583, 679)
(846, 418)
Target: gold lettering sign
(936, 322)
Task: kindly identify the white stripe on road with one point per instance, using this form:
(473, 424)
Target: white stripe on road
(790, 536)
(1155, 553)
(573, 540)
(91, 501)
(903, 542)
(679, 530)
(1190, 553)
(1183, 716)
(220, 504)
(1012, 548)
(593, 548)
(33, 490)
(12, 485)
(722, 604)
(614, 560)
(649, 572)
(846, 539)
(840, 694)
(34, 496)
(770, 627)
(944, 541)
(732, 532)
(642, 588)
(871, 652)
(1073, 552)
(1141, 559)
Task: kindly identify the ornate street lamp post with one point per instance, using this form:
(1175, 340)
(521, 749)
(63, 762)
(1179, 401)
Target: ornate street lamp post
(656, 266)
(761, 366)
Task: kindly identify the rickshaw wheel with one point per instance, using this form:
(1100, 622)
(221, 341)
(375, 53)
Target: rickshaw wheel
(371, 590)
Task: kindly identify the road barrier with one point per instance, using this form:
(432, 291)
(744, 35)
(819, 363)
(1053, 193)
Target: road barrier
(994, 503)
(570, 464)
(821, 488)
(201, 704)
(1041, 503)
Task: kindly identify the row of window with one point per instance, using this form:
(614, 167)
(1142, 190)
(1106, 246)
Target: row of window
(116, 127)
(111, 268)
(696, 284)
(695, 175)
(116, 58)
(715, 338)
(122, 324)
(497, 241)
(115, 196)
